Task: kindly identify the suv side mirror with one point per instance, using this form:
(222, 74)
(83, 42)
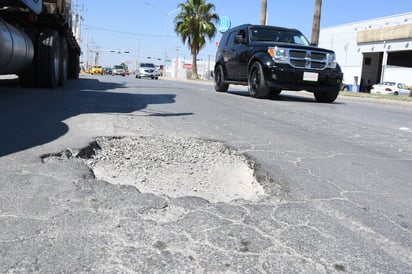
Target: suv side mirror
(239, 39)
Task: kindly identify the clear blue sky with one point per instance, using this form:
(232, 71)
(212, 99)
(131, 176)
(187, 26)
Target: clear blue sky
(139, 26)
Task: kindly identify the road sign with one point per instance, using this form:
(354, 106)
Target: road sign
(224, 24)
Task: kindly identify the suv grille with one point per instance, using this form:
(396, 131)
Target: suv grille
(307, 59)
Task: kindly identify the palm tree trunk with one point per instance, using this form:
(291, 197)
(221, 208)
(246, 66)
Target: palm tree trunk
(316, 22)
(263, 12)
(194, 67)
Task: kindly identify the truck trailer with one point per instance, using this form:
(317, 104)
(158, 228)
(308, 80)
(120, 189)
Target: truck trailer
(37, 42)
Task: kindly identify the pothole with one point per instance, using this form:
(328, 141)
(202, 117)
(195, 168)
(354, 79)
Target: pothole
(174, 166)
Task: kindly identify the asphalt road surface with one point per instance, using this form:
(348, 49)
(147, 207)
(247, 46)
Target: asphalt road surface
(337, 182)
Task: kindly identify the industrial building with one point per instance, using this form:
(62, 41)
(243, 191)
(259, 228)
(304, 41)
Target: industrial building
(372, 51)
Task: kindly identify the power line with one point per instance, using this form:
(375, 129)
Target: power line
(129, 33)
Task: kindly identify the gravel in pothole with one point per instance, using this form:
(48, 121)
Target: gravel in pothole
(176, 166)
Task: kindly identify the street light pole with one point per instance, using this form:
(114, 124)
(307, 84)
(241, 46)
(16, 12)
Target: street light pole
(166, 14)
(167, 20)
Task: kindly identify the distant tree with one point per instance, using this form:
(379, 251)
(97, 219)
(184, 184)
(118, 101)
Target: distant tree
(316, 22)
(263, 12)
(194, 23)
(124, 65)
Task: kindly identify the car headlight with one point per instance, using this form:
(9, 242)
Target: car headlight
(280, 55)
(331, 59)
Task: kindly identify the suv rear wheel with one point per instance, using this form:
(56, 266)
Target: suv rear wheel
(275, 91)
(257, 83)
(220, 85)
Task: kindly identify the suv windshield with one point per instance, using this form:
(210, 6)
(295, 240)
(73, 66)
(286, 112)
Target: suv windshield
(118, 67)
(278, 35)
(147, 65)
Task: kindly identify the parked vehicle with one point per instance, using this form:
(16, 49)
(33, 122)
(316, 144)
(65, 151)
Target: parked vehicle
(344, 87)
(96, 70)
(108, 71)
(147, 70)
(390, 88)
(37, 42)
(118, 70)
(270, 59)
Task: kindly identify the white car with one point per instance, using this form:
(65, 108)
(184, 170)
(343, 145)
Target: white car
(118, 70)
(147, 70)
(390, 88)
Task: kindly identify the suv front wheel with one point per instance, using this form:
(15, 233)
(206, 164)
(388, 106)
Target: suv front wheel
(220, 80)
(326, 97)
(256, 82)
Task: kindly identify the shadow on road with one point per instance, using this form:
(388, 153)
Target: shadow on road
(32, 117)
(288, 97)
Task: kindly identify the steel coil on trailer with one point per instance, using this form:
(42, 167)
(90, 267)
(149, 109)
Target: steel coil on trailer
(16, 49)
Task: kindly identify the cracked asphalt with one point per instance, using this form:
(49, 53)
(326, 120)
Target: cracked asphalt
(336, 183)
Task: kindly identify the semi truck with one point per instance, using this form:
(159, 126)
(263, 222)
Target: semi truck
(37, 42)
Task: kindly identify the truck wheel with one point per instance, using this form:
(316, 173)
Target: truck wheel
(74, 65)
(64, 61)
(49, 58)
(326, 97)
(220, 85)
(257, 84)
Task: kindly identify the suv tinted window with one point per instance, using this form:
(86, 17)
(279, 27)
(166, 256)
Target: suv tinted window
(231, 39)
(223, 40)
(150, 65)
(242, 33)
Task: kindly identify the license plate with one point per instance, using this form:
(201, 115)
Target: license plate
(310, 76)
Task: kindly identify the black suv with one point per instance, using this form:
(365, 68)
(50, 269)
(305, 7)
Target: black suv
(270, 59)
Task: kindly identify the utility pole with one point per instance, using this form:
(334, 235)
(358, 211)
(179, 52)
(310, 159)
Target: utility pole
(263, 12)
(87, 49)
(316, 22)
(77, 19)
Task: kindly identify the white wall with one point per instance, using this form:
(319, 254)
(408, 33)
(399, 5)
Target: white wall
(398, 74)
(343, 40)
(176, 68)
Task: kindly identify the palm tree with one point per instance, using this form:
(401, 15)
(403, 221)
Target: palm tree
(263, 12)
(193, 24)
(316, 22)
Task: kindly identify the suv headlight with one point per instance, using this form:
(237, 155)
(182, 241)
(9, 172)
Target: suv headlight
(331, 59)
(280, 55)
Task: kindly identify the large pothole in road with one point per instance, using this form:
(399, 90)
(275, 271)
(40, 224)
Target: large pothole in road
(175, 166)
